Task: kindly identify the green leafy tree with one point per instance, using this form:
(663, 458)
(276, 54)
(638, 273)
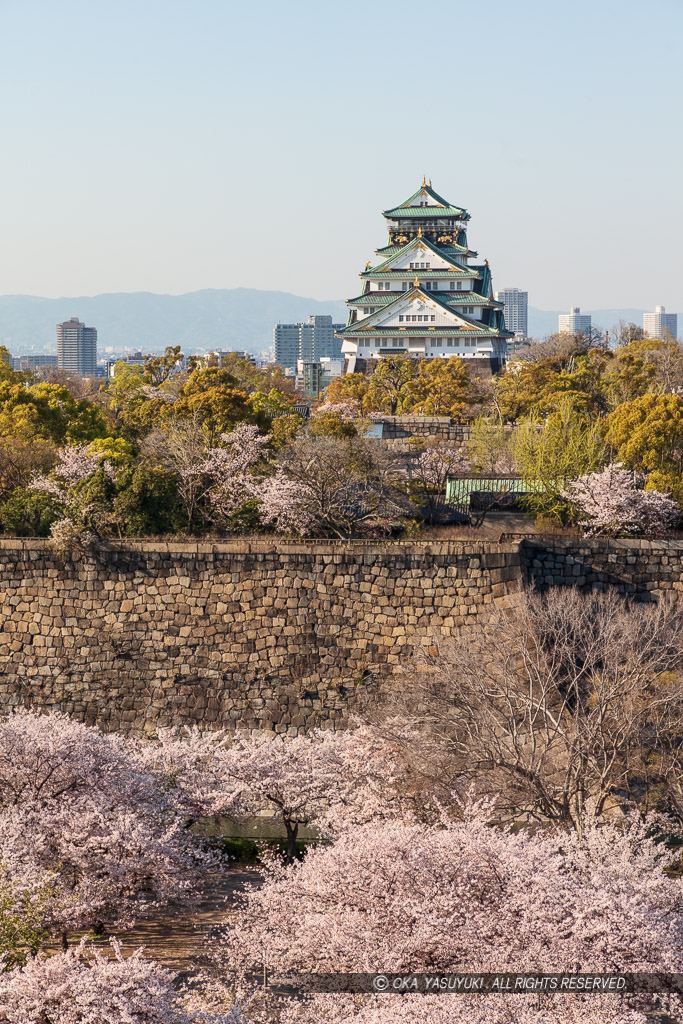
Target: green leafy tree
(23, 910)
(331, 424)
(214, 398)
(351, 388)
(272, 403)
(549, 453)
(629, 376)
(48, 411)
(285, 429)
(29, 513)
(390, 384)
(441, 387)
(125, 387)
(647, 435)
(488, 447)
(147, 502)
(158, 369)
(523, 386)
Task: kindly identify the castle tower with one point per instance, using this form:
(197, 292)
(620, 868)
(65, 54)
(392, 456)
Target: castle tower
(425, 298)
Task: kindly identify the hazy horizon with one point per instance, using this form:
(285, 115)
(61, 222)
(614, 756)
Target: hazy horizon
(170, 148)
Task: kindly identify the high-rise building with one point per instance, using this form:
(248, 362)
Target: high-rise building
(29, 363)
(515, 304)
(425, 298)
(286, 337)
(660, 324)
(319, 339)
(311, 341)
(77, 347)
(574, 322)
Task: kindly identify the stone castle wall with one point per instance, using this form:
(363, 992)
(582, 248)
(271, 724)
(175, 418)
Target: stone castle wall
(440, 428)
(265, 635)
(247, 634)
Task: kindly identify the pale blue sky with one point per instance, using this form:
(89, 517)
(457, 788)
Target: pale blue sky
(163, 145)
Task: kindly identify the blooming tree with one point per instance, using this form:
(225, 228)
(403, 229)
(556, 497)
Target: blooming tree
(80, 517)
(285, 504)
(429, 472)
(93, 829)
(230, 468)
(609, 502)
(348, 409)
(460, 1009)
(399, 896)
(84, 986)
(326, 778)
(322, 777)
(335, 485)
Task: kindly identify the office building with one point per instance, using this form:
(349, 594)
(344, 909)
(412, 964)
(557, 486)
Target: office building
(426, 298)
(29, 363)
(660, 324)
(574, 322)
(515, 303)
(77, 347)
(311, 341)
(286, 337)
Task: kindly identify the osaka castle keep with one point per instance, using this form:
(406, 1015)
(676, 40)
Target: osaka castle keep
(426, 298)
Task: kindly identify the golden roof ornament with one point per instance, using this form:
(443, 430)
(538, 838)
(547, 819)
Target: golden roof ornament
(367, 264)
(424, 182)
(430, 182)
(419, 231)
(416, 282)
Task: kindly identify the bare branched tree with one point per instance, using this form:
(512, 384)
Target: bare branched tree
(566, 705)
(180, 446)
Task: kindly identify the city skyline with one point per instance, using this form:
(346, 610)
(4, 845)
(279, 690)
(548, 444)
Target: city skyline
(179, 162)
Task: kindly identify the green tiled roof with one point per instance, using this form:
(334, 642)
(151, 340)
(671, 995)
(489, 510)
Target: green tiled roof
(353, 329)
(406, 212)
(444, 205)
(459, 489)
(468, 298)
(426, 244)
(449, 250)
(422, 332)
(473, 273)
(372, 299)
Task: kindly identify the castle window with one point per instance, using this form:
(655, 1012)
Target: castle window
(400, 319)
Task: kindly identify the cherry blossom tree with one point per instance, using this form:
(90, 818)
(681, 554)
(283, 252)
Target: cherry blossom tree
(84, 986)
(461, 1009)
(335, 485)
(348, 409)
(329, 779)
(230, 468)
(429, 471)
(78, 813)
(610, 502)
(399, 896)
(81, 517)
(285, 503)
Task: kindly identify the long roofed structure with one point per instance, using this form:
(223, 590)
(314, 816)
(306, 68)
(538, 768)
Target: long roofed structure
(425, 298)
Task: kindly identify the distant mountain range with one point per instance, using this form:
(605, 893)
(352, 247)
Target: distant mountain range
(229, 318)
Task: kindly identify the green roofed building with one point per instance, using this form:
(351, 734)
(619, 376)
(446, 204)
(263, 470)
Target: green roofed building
(426, 297)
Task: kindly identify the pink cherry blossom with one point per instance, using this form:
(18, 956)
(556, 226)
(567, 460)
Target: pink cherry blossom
(609, 502)
(84, 986)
